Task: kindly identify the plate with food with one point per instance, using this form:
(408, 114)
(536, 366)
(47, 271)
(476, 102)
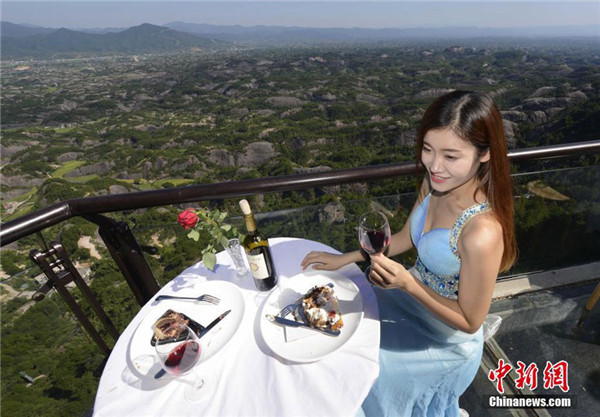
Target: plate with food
(196, 315)
(311, 315)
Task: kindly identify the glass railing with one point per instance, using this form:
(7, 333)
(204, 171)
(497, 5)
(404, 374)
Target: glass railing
(557, 225)
(557, 220)
(557, 217)
(23, 283)
(557, 213)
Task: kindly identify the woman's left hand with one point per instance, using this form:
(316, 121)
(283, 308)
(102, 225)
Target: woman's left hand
(386, 273)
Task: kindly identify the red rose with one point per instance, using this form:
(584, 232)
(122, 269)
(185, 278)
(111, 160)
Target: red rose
(187, 218)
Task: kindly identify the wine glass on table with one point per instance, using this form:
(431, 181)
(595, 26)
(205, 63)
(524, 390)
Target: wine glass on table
(178, 349)
(373, 234)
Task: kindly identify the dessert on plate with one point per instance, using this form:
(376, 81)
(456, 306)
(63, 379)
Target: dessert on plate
(321, 308)
(164, 324)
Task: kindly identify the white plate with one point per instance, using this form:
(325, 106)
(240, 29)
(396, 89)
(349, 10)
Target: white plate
(317, 346)
(203, 313)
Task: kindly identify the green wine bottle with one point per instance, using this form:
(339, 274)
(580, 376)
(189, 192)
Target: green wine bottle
(257, 249)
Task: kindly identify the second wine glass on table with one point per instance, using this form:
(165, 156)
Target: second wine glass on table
(178, 350)
(374, 232)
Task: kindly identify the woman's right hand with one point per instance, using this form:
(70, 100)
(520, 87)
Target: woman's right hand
(323, 261)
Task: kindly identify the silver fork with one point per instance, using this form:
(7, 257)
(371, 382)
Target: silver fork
(291, 307)
(206, 298)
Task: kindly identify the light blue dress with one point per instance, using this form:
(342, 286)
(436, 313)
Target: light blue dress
(425, 365)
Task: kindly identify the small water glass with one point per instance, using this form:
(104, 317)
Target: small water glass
(234, 249)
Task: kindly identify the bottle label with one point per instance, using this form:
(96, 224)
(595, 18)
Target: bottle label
(258, 266)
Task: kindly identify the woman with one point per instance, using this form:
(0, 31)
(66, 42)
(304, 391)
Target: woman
(462, 228)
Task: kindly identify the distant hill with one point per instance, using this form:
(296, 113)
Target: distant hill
(283, 34)
(145, 38)
(12, 30)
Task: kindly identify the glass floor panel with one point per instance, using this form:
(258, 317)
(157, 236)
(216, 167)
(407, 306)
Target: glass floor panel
(537, 328)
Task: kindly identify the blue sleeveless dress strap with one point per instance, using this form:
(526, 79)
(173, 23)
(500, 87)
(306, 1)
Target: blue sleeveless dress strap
(425, 365)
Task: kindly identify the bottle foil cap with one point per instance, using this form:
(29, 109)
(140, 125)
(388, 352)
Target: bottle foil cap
(245, 207)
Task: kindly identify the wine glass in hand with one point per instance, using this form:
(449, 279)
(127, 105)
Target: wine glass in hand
(178, 350)
(374, 232)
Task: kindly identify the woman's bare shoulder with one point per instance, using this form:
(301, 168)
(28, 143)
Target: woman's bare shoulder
(482, 234)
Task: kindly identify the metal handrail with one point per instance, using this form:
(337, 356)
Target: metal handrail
(46, 217)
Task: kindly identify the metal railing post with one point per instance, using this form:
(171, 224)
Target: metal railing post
(56, 257)
(127, 253)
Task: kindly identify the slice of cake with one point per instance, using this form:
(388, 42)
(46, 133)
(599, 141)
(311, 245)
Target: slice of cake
(164, 329)
(321, 308)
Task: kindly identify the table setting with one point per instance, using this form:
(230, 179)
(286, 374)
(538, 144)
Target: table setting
(233, 357)
(301, 342)
(201, 313)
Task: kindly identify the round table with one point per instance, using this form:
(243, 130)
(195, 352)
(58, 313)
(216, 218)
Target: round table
(251, 379)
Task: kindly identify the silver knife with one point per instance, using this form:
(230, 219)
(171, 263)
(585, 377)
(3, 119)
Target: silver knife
(202, 333)
(213, 323)
(292, 323)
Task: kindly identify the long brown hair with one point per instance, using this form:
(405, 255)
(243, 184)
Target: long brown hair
(475, 118)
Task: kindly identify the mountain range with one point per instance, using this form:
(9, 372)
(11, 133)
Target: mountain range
(295, 34)
(21, 40)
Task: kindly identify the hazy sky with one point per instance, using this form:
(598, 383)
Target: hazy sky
(324, 13)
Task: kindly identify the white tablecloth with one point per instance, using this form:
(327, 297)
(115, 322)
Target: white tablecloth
(252, 380)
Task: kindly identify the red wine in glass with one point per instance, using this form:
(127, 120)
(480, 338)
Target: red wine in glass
(183, 357)
(180, 358)
(376, 241)
(374, 232)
